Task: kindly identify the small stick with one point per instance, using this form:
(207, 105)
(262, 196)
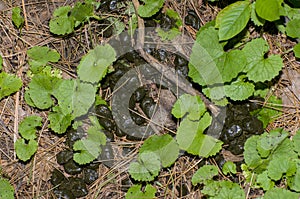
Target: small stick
(169, 74)
(25, 15)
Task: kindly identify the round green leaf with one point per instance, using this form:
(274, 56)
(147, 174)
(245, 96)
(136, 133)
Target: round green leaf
(268, 9)
(293, 28)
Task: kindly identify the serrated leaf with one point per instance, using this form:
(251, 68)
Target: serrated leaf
(147, 167)
(258, 68)
(27, 127)
(268, 9)
(209, 63)
(279, 166)
(75, 97)
(258, 21)
(264, 181)
(39, 56)
(150, 7)
(189, 105)
(135, 191)
(6, 189)
(59, 120)
(17, 18)
(190, 137)
(297, 50)
(239, 90)
(164, 146)
(204, 173)
(233, 19)
(9, 84)
(61, 23)
(25, 151)
(280, 193)
(40, 90)
(86, 151)
(293, 28)
(93, 66)
(271, 140)
(229, 167)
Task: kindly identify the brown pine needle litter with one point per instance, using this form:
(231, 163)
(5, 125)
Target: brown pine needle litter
(31, 179)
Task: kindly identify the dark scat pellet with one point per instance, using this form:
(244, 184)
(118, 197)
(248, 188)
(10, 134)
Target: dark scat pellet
(192, 19)
(90, 175)
(57, 177)
(64, 156)
(63, 194)
(78, 187)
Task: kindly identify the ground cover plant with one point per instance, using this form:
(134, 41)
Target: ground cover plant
(149, 99)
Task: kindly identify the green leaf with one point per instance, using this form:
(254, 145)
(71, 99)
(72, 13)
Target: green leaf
(82, 12)
(93, 66)
(296, 142)
(251, 156)
(209, 63)
(280, 193)
(168, 34)
(61, 23)
(9, 84)
(150, 7)
(174, 15)
(269, 114)
(118, 25)
(297, 50)
(268, 9)
(264, 181)
(135, 191)
(164, 146)
(75, 97)
(258, 68)
(190, 137)
(147, 167)
(39, 56)
(233, 19)
(294, 181)
(223, 190)
(17, 18)
(27, 127)
(59, 120)
(25, 151)
(258, 21)
(40, 90)
(6, 189)
(239, 90)
(279, 166)
(229, 167)
(189, 105)
(293, 28)
(87, 151)
(132, 24)
(206, 172)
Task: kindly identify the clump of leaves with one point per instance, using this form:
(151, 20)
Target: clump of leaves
(273, 157)
(26, 146)
(216, 189)
(65, 19)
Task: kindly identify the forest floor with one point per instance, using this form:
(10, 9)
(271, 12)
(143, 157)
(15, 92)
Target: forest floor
(31, 179)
